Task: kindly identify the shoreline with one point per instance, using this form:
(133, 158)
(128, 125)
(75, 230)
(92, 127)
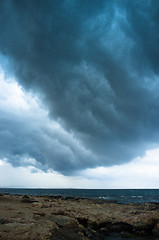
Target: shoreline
(57, 218)
(121, 195)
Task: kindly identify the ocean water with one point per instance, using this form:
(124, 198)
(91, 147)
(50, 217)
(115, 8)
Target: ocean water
(120, 195)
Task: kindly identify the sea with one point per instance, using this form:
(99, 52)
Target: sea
(122, 196)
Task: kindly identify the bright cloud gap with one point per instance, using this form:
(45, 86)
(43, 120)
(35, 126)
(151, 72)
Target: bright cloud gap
(139, 173)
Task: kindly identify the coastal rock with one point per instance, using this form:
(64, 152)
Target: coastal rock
(46, 205)
(70, 231)
(37, 205)
(19, 231)
(78, 219)
(2, 220)
(27, 199)
(38, 215)
(124, 234)
(60, 220)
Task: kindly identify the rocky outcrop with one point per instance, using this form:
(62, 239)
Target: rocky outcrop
(49, 217)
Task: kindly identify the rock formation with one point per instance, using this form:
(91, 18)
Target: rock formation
(57, 218)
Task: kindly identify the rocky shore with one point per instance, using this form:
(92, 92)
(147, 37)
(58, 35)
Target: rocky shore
(58, 218)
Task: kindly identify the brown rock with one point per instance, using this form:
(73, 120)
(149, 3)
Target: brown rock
(60, 220)
(50, 218)
(70, 231)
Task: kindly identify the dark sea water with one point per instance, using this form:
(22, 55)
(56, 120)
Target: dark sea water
(120, 195)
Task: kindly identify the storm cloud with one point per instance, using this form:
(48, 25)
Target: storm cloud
(95, 66)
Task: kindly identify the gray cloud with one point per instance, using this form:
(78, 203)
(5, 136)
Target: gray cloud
(95, 66)
(29, 138)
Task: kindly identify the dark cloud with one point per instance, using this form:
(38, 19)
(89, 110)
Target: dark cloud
(32, 139)
(95, 66)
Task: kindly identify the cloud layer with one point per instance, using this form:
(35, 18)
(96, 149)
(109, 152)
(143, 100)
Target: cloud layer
(28, 137)
(94, 65)
(139, 173)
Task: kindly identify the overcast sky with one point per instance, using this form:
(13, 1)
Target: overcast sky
(79, 93)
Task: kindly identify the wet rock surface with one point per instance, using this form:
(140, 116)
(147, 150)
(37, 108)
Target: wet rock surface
(54, 217)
